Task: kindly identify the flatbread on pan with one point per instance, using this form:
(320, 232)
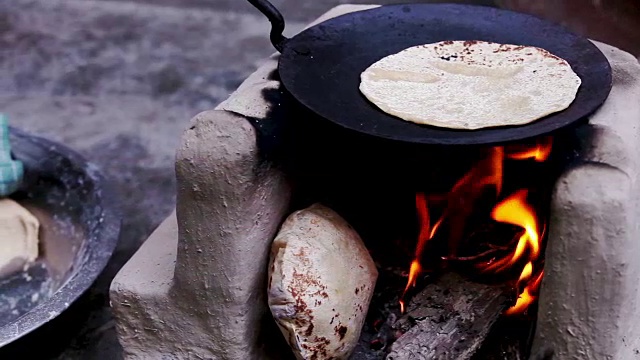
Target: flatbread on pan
(470, 84)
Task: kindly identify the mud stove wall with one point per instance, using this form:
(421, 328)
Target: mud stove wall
(196, 288)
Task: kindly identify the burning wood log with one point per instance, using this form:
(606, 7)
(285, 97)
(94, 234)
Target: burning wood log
(448, 319)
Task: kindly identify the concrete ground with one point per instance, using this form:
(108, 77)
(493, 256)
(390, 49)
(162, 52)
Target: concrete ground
(118, 82)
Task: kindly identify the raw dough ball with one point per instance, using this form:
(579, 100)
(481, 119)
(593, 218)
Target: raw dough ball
(321, 281)
(18, 237)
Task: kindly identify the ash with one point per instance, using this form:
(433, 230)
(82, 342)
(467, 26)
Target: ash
(379, 330)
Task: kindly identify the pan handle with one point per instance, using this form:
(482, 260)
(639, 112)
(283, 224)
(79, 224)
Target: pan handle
(276, 19)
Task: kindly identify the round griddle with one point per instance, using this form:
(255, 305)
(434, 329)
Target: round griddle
(321, 66)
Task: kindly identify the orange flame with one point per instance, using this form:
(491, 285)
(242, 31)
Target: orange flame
(515, 210)
(535, 284)
(539, 153)
(528, 296)
(526, 272)
(426, 234)
(487, 174)
(524, 300)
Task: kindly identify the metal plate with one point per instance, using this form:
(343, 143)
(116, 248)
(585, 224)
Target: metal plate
(321, 66)
(79, 231)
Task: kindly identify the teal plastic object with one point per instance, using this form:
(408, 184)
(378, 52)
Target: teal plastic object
(11, 171)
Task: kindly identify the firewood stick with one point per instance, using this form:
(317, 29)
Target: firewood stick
(452, 318)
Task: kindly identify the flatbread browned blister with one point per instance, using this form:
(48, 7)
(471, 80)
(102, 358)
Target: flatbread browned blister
(470, 84)
(321, 281)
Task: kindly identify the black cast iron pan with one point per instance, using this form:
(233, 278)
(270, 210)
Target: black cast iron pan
(321, 66)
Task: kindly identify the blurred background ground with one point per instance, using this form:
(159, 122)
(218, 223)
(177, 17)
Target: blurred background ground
(119, 80)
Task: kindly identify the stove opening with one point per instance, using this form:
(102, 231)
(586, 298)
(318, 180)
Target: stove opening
(490, 225)
(457, 235)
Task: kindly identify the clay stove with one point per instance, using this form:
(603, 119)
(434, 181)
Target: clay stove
(196, 288)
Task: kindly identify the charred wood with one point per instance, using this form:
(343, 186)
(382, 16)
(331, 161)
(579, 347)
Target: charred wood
(449, 319)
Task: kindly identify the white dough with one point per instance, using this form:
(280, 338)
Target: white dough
(321, 281)
(18, 237)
